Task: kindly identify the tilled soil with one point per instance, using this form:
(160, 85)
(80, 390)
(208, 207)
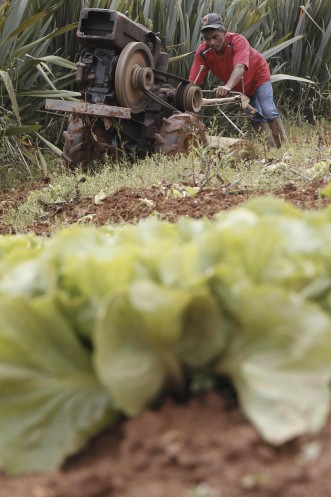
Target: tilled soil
(203, 447)
(129, 205)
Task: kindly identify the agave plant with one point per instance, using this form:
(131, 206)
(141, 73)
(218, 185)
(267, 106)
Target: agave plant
(178, 24)
(38, 44)
(311, 56)
(26, 32)
(27, 73)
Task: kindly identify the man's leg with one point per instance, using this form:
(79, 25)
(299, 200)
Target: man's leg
(263, 127)
(259, 124)
(278, 131)
(263, 98)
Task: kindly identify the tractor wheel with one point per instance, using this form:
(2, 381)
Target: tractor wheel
(179, 132)
(85, 142)
(78, 142)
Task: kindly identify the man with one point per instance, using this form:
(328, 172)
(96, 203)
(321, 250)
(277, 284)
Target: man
(241, 68)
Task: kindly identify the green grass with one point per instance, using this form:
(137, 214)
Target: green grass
(306, 158)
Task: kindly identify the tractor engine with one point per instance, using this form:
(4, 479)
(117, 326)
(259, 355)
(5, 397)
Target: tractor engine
(105, 34)
(127, 107)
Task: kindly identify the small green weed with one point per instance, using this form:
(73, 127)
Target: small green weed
(203, 490)
(306, 158)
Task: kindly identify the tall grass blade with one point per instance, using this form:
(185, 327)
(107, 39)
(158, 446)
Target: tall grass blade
(12, 94)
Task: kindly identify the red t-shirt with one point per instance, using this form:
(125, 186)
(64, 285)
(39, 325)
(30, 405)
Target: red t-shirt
(237, 51)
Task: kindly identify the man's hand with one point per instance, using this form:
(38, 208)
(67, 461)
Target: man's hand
(222, 91)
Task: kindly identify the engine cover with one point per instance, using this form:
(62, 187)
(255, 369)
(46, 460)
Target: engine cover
(111, 29)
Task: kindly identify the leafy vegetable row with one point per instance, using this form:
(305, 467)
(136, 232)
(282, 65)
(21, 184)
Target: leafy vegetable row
(99, 322)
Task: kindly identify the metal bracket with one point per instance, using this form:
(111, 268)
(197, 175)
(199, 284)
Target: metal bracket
(99, 110)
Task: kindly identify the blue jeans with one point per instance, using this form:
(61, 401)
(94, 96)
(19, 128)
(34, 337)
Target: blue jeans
(263, 101)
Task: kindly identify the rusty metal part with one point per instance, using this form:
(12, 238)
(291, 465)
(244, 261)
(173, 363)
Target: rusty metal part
(159, 100)
(231, 122)
(134, 56)
(202, 67)
(109, 29)
(239, 98)
(188, 97)
(179, 132)
(249, 108)
(86, 140)
(78, 142)
(99, 110)
(142, 78)
(224, 100)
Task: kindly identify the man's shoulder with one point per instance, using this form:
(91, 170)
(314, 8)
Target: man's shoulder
(202, 47)
(233, 37)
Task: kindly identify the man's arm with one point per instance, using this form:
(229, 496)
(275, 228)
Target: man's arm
(197, 73)
(234, 79)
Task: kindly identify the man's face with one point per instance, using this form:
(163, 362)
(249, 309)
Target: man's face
(215, 40)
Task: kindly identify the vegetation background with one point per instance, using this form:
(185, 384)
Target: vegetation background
(38, 48)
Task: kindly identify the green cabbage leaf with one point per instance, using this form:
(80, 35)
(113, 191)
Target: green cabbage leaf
(147, 336)
(50, 400)
(278, 357)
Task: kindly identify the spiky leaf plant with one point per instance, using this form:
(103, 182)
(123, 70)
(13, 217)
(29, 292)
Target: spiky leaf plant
(27, 73)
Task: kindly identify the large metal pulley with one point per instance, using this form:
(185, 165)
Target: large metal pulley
(188, 97)
(134, 75)
(134, 79)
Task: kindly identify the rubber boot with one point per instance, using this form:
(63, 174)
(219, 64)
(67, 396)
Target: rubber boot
(278, 131)
(264, 128)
